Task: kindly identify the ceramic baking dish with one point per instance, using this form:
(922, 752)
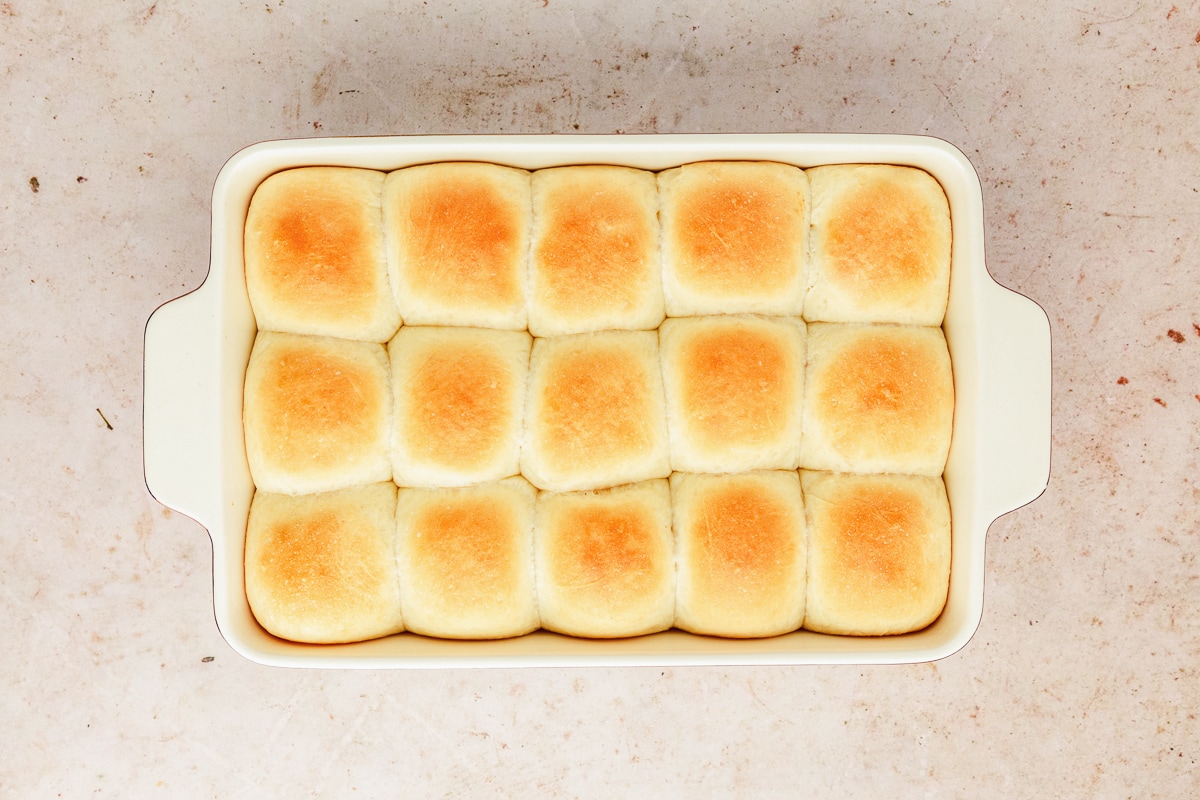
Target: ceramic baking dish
(197, 347)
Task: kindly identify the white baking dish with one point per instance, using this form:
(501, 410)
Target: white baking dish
(197, 348)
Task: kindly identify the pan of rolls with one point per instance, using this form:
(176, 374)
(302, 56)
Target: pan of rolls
(459, 401)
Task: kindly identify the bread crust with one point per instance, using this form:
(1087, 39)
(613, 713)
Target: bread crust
(734, 388)
(317, 413)
(458, 243)
(881, 245)
(878, 398)
(735, 238)
(605, 561)
(465, 559)
(595, 261)
(596, 415)
(315, 258)
(321, 568)
(879, 552)
(741, 553)
(459, 403)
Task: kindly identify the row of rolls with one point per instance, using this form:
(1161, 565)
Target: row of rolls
(753, 554)
(355, 253)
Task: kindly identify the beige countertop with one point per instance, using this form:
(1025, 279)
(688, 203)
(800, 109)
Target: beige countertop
(1082, 121)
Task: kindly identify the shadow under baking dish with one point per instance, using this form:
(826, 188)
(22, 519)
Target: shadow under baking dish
(197, 348)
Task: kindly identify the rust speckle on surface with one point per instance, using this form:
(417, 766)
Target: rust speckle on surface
(1176, 336)
(34, 185)
(1161, 402)
(1196, 328)
(1122, 381)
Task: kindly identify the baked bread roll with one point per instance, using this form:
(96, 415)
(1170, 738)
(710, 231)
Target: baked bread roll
(315, 259)
(322, 567)
(465, 557)
(735, 238)
(605, 561)
(878, 552)
(459, 402)
(317, 413)
(458, 244)
(595, 261)
(880, 245)
(596, 415)
(878, 398)
(741, 553)
(734, 387)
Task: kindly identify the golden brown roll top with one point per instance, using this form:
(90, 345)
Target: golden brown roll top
(734, 388)
(465, 559)
(605, 561)
(458, 242)
(321, 568)
(595, 261)
(881, 243)
(317, 413)
(879, 552)
(596, 416)
(741, 553)
(878, 398)
(734, 237)
(459, 403)
(315, 258)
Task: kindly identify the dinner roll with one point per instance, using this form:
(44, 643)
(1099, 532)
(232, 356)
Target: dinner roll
(317, 413)
(734, 386)
(878, 553)
(322, 567)
(596, 416)
(605, 561)
(734, 238)
(878, 398)
(315, 259)
(880, 245)
(459, 400)
(458, 244)
(465, 558)
(595, 262)
(741, 553)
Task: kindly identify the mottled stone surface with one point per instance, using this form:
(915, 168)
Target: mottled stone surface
(1082, 121)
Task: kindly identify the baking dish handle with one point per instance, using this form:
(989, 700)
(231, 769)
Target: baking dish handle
(1016, 434)
(180, 409)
